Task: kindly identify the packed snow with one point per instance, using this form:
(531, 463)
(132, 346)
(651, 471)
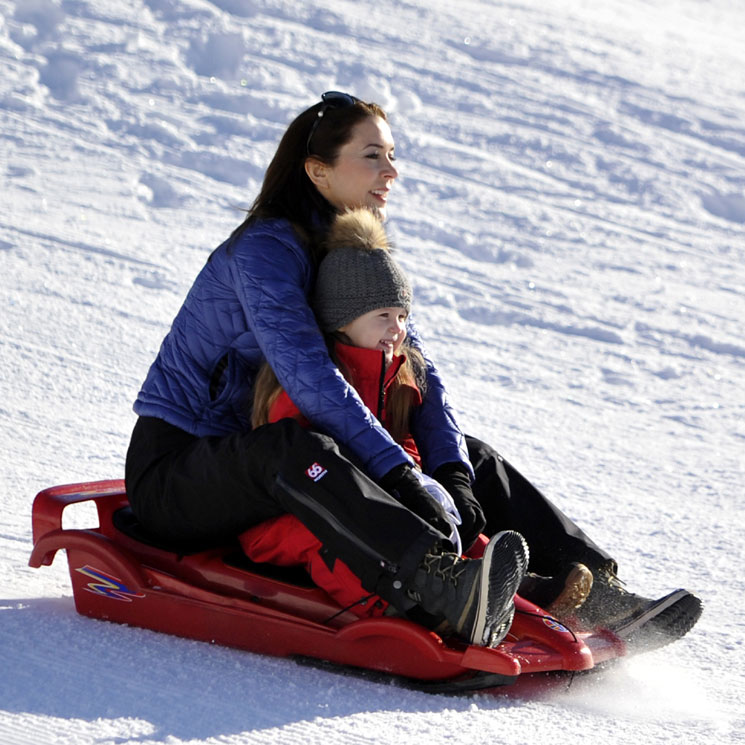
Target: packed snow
(571, 209)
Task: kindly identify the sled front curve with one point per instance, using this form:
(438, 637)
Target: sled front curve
(210, 597)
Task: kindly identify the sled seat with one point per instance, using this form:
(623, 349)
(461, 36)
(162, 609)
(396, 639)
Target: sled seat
(126, 522)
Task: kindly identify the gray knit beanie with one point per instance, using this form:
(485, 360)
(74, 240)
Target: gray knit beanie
(358, 274)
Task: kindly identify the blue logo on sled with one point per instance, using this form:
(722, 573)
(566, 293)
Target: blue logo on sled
(108, 586)
(554, 625)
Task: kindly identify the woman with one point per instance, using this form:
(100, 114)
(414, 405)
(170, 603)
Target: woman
(196, 472)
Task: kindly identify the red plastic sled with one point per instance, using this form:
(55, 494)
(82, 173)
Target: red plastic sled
(217, 595)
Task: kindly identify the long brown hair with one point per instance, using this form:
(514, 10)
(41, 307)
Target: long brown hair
(287, 192)
(400, 398)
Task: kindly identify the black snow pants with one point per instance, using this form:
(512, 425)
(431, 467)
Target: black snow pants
(511, 502)
(210, 489)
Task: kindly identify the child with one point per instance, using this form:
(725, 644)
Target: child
(362, 300)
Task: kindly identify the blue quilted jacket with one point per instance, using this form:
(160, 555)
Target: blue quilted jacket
(250, 303)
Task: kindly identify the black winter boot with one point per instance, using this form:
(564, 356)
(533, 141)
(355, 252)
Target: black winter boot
(642, 622)
(473, 595)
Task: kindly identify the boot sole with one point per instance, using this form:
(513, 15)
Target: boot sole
(663, 622)
(504, 564)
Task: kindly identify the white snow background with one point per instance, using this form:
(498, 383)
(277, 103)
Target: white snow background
(571, 209)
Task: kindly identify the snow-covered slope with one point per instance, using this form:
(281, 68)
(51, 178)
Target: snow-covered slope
(572, 211)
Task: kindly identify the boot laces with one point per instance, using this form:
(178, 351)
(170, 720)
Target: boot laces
(445, 566)
(608, 576)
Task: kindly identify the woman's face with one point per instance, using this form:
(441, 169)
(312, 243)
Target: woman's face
(363, 173)
(383, 329)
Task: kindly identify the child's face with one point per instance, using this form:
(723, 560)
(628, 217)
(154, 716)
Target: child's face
(383, 328)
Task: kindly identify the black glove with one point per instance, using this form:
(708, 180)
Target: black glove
(457, 481)
(403, 484)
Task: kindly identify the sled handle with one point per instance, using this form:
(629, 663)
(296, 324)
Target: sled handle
(49, 504)
(92, 543)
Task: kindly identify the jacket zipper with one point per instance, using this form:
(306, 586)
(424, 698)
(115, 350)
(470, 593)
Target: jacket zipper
(381, 388)
(329, 517)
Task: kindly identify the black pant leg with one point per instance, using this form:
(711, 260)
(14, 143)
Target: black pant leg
(355, 519)
(510, 501)
(196, 489)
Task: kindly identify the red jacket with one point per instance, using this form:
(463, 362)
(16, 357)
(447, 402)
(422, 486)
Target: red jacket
(369, 377)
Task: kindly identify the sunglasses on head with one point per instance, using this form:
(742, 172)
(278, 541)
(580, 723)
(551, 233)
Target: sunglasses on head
(331, 100)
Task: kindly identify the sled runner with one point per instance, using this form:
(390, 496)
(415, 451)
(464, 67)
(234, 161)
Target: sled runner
(215, 594)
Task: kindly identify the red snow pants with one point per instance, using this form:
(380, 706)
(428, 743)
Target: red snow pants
(285, 541)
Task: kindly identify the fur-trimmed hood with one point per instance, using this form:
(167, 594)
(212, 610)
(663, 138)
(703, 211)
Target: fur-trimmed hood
(357, 228)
